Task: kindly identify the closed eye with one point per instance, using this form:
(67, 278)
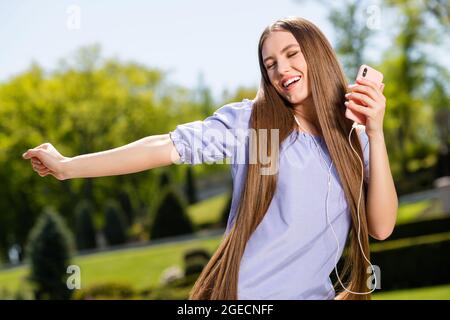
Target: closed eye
(270, 67)
(289, 56)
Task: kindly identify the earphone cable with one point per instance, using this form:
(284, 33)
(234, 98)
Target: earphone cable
(326, 210)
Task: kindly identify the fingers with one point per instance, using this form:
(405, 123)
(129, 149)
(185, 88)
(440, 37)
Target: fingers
(362, 98)
(367, 82)
(35, 155)
(35, 152)
(42, 171)
(29, 154)
(360, 108)
(374, 86)
(44, 146)
(39, 167)
(369, 91)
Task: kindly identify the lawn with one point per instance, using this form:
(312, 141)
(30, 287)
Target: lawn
(429, 293)
(415, 211)
(142, 267)
(208, 211)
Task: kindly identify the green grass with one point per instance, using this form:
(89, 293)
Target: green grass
(141, 267)
(415, 211)
(407, 242)
(428, 293)
(208, 211)
(410, 212)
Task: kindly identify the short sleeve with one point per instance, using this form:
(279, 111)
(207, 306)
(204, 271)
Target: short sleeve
(366, 152)
(215, 138)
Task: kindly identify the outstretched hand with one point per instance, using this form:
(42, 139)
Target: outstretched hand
(46, 160)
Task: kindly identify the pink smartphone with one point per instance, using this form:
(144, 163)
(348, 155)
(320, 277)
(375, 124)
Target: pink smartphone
(371, 74)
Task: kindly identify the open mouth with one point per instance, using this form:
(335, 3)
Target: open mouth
(291, 83)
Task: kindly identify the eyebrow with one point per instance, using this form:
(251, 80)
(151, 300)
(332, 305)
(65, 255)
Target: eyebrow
(285, 48)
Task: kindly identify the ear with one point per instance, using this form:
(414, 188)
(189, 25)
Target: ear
(382, 87)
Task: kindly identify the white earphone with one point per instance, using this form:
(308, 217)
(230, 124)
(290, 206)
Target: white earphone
(355, 125)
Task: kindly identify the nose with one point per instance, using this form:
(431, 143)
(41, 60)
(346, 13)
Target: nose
(283, 66)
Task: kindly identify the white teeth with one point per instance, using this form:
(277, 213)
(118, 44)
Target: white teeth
(287, 83)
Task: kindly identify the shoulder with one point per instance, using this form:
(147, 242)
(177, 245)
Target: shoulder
(235, 114)
(236, 108)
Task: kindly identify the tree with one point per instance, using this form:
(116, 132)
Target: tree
(50, 247)
(413, 72)
(115, 225)
(84, 226)
(171, 218)
(191, 188)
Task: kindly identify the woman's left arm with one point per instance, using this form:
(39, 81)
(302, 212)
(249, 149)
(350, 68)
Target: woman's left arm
(382, 203)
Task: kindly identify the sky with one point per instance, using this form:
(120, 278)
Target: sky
(217, 39)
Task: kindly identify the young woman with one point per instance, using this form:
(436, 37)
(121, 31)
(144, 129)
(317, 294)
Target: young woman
(285, 232)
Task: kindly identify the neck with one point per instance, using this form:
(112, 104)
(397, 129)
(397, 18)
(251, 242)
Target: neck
(307, 116)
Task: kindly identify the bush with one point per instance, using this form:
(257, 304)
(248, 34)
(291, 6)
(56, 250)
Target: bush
(195, 260)
(115, 226)
(191, 189)
(171, 218)
(107, 290)
(85, 231)
(49, 249)
(176, 290)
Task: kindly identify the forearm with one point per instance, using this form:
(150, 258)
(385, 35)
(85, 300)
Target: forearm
(382, 202)
(146, 153)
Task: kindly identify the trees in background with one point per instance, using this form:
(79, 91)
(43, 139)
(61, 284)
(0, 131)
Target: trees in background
(417, 120)
(85, 233)
(88, 104)
(115, 229)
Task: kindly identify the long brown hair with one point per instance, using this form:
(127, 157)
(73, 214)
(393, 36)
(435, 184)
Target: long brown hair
(219, 278)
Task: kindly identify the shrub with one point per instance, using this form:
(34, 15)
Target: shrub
(171, 218)
(107, 290)
(85, 231)
(195, 260)
(115, 226)
(49, 249)
(191, 189)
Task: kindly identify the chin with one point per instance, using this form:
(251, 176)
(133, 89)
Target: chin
(297, 100)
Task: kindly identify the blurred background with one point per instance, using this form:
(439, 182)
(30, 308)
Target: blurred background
(89, 76)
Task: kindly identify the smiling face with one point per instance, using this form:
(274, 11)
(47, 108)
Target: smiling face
(286, 66)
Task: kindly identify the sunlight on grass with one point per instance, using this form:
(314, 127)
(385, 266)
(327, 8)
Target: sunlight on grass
(208, 211)
(409, 212)
(139, 267)
(428, 293)
(142, 267)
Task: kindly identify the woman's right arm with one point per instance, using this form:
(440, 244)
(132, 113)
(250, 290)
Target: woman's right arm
(147, 153)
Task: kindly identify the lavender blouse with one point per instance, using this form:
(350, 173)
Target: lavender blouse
(292, 252)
